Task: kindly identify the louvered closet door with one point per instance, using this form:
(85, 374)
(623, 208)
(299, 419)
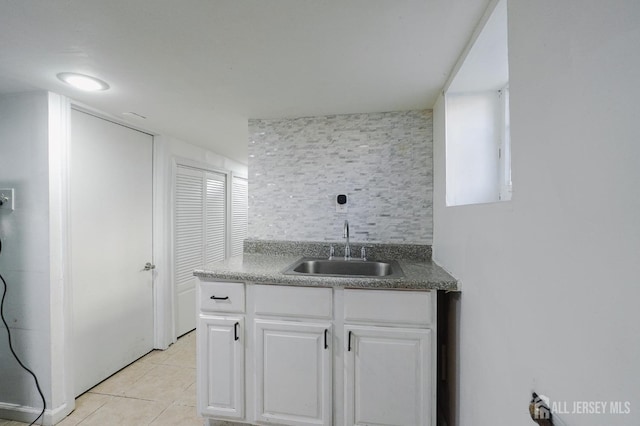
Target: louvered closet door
(188, 243)
(200, 234)
(239, 214)
(215, 217)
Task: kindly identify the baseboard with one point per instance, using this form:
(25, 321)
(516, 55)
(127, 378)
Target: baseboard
(21, 413)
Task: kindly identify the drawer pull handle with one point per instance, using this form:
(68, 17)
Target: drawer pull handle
(326, 344)
(349, 342)
(235, 331)
(219, 298)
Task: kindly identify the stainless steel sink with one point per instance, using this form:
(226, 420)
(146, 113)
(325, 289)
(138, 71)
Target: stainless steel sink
(355, 268)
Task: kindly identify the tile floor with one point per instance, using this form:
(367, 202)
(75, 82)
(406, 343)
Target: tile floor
(158, 390)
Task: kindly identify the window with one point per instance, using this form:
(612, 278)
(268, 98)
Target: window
(478, 143)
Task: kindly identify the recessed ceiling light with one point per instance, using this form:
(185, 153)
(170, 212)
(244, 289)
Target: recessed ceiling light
(83, 82)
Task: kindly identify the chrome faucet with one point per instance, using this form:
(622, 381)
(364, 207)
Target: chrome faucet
(347, 249)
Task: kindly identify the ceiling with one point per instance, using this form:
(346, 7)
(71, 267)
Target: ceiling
(198, 69)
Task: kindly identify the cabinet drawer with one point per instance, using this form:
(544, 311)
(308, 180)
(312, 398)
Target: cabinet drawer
(221, 297)
(389, 306)
(305, 302)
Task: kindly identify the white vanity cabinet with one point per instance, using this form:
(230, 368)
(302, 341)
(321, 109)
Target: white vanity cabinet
(221, 350)
(316, 355)
(293, 355)
(389, 358)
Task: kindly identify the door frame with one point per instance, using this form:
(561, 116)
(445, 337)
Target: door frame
(62, 391)
(167, 157)
(162, 299)
(156, 295)
(148, 214)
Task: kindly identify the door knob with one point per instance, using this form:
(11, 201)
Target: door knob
(149, 266)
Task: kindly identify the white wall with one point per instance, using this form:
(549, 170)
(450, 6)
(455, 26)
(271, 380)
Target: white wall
(551, 280)
(30, 129)
(24, 259)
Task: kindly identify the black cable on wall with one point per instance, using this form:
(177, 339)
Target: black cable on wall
(4, 294)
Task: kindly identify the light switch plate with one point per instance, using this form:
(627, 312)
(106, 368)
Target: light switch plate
(7, 198)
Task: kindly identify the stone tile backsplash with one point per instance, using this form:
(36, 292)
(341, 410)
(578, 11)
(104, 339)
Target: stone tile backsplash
(383, 162)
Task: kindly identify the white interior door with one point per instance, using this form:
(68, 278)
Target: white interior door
(111, 241)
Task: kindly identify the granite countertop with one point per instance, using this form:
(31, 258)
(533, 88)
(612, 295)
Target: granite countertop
(263, 268)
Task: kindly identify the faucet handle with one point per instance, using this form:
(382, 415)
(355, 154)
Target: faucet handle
(363, 253)
(332, 252)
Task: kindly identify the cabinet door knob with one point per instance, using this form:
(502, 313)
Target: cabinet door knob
(235, 331)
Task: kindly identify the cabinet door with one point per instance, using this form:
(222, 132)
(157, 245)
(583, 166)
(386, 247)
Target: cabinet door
(388, 376)
(221, 367)
(293, 372)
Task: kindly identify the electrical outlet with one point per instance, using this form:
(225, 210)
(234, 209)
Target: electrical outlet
(6, 199)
